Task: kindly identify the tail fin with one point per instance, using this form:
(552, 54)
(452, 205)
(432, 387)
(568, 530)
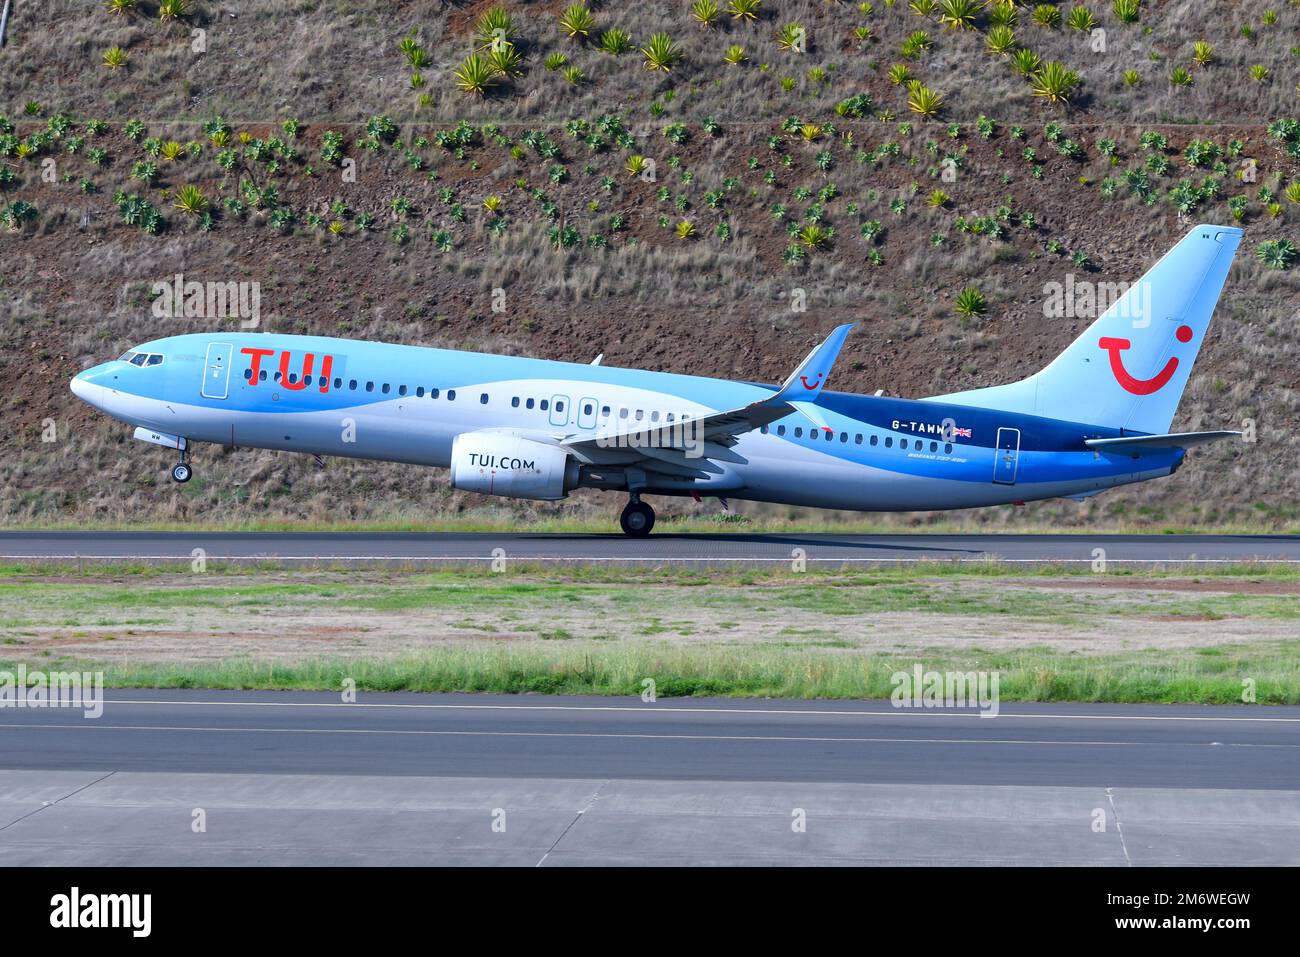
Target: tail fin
(1128, 370)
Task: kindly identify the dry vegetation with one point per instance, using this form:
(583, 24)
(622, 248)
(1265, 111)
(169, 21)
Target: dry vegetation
(589, 254)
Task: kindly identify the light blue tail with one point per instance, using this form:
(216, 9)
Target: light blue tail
(1129, 369)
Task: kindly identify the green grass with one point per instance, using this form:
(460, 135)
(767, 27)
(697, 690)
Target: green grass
(1207, 676)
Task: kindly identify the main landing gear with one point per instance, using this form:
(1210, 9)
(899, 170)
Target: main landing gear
(637, 518)
(181, 471)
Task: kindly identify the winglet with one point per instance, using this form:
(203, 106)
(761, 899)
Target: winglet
(806, 382)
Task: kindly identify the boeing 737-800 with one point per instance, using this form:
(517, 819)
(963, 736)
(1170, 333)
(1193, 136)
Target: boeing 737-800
(1096, 417)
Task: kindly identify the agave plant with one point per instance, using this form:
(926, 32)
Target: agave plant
(810, 132)
(615, 42)
(492, 203)
(705, 12)
(899, 74)
(1180, 76)
(636, 164)
(1054, 82)
(792, 37)
(743, 9)
(970, 302)
(862, 34)
(917, 42)
(475, 74)
(574, 75)
(735, 55)
(577, 21)
(1276, 253)
(115, 57)
(959, 14)
(494, 28)
(172, 9)
(120, 7)
(556, 61)
(1202, 53)
(938, 199)
(506, 60)
(924, 101)
(416, 55)
(192, 200)
(1000, 40)
(1126, 11)
(172, 150)
(1293, 192)
(923, 8)
(1081, 18)
(1002, 13)
(1132, 78)
(661, 53)
(1026, 61)
(814, 236)
(685, 229)
(1046, 15)
(1259, 73)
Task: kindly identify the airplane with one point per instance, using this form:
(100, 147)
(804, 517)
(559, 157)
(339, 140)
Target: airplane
(1096, 417)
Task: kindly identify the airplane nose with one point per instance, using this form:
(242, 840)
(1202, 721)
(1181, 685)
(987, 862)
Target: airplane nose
(80, 385)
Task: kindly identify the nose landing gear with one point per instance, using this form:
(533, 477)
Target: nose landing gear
(637, 518)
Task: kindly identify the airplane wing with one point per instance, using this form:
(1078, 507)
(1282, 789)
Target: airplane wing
(1172, 440)
(686, 447)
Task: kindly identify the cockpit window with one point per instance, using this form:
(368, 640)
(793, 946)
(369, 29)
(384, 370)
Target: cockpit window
(143, 358)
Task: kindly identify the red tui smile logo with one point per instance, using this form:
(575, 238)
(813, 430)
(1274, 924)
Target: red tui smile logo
(815, 382)
(1137, 386)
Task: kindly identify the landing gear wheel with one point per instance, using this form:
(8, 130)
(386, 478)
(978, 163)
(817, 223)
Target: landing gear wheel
(181, 472)
(637, 519)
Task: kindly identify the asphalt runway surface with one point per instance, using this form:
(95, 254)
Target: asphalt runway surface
(293, 778)
(360, 548)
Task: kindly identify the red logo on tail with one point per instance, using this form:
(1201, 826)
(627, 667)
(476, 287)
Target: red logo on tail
(1157, 382)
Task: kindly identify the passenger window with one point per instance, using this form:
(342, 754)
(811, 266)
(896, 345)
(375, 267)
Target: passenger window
(528, 404)
(352, 384)
(604, 412)
(586, 409)
(947, 448)
(798, 431)
(451, 395)
(934, 446)
(293, 378)
(763, 430)
(338, 383)
(386, 388)
(857, 439)
(544, 404)
(482, 399)
(262, 376)
(889, 442)
(433, 393)
(622, 413)
(902, 443)
(875, 440)
(559, 406)
(248, 374)
(654, 416)
(640, 414)
(401, 390)
(370, 387)
(812, 435)
(419, 392)
(514, 403)
(780, 430)
(844, 436)
(276, 377)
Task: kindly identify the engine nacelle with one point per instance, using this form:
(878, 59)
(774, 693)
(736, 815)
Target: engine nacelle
(496, 463)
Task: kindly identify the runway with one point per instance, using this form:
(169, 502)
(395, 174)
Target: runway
(362, 548)
(284, 778)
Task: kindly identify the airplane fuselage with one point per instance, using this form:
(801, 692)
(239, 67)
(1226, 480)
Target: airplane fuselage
(409, 403)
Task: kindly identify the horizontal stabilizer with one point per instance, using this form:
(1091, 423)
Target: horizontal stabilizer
(1173, 440)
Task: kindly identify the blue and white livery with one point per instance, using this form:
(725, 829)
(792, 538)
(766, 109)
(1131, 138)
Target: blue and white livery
(1096, 417)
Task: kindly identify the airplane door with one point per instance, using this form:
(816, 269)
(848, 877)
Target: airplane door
(559, 410)
(1007, 456)
(587, 413)
(216, 371)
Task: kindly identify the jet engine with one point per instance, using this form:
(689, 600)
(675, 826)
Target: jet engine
(497, 463)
